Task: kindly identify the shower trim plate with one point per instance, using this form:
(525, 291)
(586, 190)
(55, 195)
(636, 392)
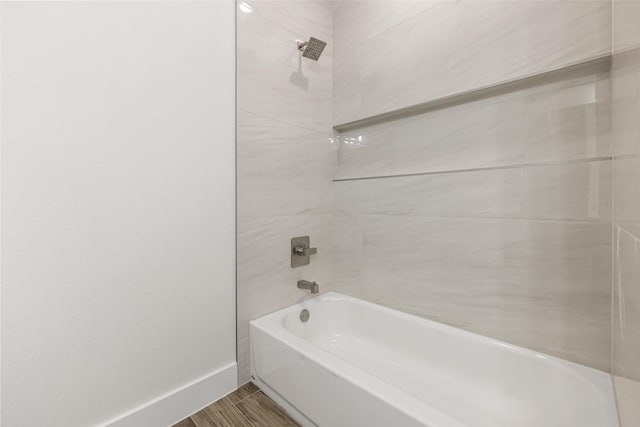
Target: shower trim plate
(301, 251)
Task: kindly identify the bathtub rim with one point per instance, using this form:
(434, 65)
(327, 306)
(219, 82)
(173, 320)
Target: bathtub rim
(368, 383)
(272, 325)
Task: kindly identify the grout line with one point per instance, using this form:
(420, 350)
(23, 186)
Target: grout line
(288, 29)
(235, 181)
(612, 237)
(235, 405)
(386, 30)
(489, 168)
(321, 132)
(624, 229)
(627, 156)
(245, 398)
(232, 404)
(357, 214)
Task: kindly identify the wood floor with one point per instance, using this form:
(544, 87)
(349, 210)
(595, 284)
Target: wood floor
(245, 407)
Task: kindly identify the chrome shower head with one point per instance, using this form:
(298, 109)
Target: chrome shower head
(311, 49)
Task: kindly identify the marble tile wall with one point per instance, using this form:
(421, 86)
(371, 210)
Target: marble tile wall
(398, 53)
(503, 224)
(285, 157)
(506, 229)
(558, 121)
(625, 83)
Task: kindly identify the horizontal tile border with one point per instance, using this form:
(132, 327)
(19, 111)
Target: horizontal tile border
(595, 65)
(488, 168)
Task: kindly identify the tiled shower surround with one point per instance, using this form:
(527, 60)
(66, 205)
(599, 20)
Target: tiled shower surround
(625, 79)
(285, 159)
(494, 215)
(390, 54)
(506, 228)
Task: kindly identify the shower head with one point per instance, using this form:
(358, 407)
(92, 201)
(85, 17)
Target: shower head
(311, 49)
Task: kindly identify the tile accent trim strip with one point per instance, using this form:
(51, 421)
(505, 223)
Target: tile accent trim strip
(489, 168)
(596, 65)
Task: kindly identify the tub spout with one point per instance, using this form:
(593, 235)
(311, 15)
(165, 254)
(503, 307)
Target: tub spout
(312, 286)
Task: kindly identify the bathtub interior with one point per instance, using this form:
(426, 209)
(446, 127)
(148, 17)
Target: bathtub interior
(483, 381)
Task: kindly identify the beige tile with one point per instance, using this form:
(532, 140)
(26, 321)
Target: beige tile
(628, 398)
(492, 193)
(572, 191)
(347, 85)
(626, 306)
(244, 362)
(266, 282)
(626, 31)
(298, 16)
(627, 194)
(625, 83)
(426, 56)
(484, 133)
(563, 120)
(568, 120)
(359, 20)
(263, 412)
(282, 169)
(286, 160)
(274, 81)
(540, 284)
(348, 254)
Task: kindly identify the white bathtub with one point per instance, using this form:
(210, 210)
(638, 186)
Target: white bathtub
(355, 364)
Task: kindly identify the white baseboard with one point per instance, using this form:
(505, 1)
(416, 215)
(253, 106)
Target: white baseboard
(178, 404)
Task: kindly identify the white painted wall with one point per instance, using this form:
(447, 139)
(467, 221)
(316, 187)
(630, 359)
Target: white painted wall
(117, 210)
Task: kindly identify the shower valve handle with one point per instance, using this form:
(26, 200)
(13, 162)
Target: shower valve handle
(302, 251)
